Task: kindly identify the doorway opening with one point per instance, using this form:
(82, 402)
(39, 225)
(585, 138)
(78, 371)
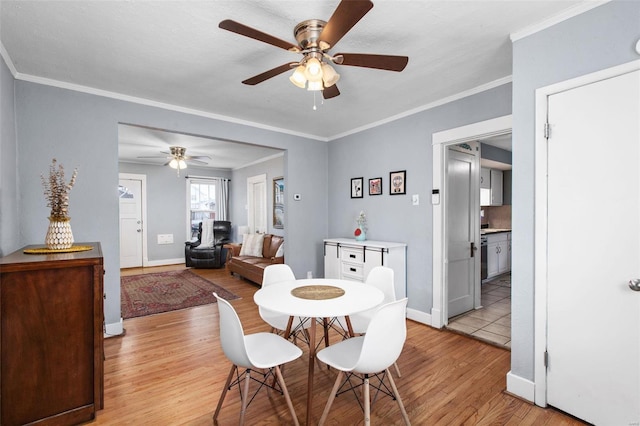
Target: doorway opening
(481, 131)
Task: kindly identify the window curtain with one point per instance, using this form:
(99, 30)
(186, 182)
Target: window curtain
(222, 198)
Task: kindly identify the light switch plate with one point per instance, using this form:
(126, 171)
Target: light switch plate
(415, 199)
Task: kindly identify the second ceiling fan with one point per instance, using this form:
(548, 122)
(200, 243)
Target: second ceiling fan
(315, 38)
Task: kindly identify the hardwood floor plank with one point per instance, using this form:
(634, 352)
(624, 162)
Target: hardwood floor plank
(169, 369)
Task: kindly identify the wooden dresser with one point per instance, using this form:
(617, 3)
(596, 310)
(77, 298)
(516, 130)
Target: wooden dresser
(51, 337)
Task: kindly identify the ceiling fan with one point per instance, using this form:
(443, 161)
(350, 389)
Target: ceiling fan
(315, 38)
(178, 160)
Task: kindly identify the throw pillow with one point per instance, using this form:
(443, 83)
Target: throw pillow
(252, 245)
(280, 251)
(207, 234)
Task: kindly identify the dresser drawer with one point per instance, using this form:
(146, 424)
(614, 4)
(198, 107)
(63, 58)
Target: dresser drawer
(353, 270)
(352, 255)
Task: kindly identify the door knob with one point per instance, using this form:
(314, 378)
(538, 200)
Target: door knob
(634, 284)
(139, 230)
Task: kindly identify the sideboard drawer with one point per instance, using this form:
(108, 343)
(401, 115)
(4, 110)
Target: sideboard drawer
(353, 270)
(352, 255)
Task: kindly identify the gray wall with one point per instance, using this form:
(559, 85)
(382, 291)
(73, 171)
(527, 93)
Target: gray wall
(167, 206)
(9, 231)
(592, 41)
(403, 144)
(273, 168)
(81, 130)
(490, 152)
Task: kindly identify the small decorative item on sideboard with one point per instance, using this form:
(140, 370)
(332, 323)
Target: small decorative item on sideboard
(56, 192)
(361, 231)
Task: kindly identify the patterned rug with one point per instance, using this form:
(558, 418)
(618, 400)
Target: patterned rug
(148, 294)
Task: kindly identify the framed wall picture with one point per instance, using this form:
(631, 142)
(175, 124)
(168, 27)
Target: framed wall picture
(398, 182)
(375, 186)
(278, 203)
(356, 187)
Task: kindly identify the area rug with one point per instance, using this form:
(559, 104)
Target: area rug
(148, 294)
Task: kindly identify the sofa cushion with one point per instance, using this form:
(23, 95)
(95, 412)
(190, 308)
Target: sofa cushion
(252, 245)
(271, 246)
(280, 252)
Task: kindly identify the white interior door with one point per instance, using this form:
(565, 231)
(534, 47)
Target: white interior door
(462, 193)
(593, 250)
(257, 203)
(131, 235)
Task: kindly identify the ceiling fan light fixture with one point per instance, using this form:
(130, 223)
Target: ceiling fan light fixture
(182, 164)
(314, 85)
(173, 163)
(329, 75)
(313, 70)
(298, 77)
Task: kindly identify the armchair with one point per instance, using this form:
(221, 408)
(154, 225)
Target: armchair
(199, 255)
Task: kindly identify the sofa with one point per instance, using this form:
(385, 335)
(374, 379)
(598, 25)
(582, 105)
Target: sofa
(251, 266)
(208, 250)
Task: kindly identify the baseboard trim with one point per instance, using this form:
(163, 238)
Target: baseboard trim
(113, 329)
(164, 262)
(418, 316)
(521, 387)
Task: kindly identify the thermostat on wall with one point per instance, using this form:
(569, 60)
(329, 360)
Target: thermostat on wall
(297, 197)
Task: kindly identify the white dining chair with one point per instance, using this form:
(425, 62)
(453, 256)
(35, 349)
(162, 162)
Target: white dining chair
(258, 351)
(278, 322)
(382, 278)
(369, 355)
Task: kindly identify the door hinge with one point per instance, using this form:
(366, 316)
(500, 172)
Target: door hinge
(546, 358)
(547, 130)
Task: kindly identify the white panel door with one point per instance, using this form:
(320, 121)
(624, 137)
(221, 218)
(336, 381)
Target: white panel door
(593, 317)
(257, 204)
(461, 260)
(130, 223)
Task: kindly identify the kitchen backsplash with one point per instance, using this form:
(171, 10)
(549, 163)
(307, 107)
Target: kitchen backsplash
(497, 216)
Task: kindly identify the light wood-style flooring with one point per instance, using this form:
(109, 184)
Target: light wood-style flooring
(169, 369)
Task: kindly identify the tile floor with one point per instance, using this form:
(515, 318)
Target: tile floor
(492, 322)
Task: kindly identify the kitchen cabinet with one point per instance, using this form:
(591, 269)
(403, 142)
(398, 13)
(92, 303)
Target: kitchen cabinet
(498, 254)
(491, 194)
(348, 259)
(51, 337)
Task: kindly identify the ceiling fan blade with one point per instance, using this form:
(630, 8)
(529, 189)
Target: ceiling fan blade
(346, 15)
(381, 62)
(267, 75)
(238, 28)
(196, 157)
(154, 156)
(330, 92)
(191, 160)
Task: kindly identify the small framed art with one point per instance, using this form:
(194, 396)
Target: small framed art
(278, 203)
(375, 186)
(398, 182)
(356, 187)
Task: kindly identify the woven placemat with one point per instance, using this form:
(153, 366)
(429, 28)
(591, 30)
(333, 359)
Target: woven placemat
(317, 292)
(44, 250)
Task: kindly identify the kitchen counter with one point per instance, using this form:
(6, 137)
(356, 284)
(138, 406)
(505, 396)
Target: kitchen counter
(487, 231)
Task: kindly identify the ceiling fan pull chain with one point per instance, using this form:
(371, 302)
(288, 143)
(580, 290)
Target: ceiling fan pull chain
(314, 101)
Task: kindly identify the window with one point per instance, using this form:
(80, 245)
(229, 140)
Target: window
(202, 205)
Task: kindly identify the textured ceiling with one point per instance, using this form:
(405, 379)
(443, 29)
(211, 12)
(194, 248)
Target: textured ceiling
(173, 52)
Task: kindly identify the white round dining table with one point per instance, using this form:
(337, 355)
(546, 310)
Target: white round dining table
(325, 303)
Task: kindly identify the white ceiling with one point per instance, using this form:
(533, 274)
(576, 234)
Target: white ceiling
(173, 52)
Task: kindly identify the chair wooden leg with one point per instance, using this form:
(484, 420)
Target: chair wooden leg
(400, 404)
(245, 396)
(395, 364)
(367, 402)
(332, 396)
(286, 395)
(224, 392)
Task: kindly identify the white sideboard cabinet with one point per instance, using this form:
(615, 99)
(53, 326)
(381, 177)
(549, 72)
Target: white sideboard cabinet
(348, 259)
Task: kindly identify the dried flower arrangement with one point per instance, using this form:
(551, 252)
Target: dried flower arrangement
(56, 191)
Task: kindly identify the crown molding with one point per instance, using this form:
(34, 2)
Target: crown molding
(156, 104)
(562, 16)
(440, 102)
